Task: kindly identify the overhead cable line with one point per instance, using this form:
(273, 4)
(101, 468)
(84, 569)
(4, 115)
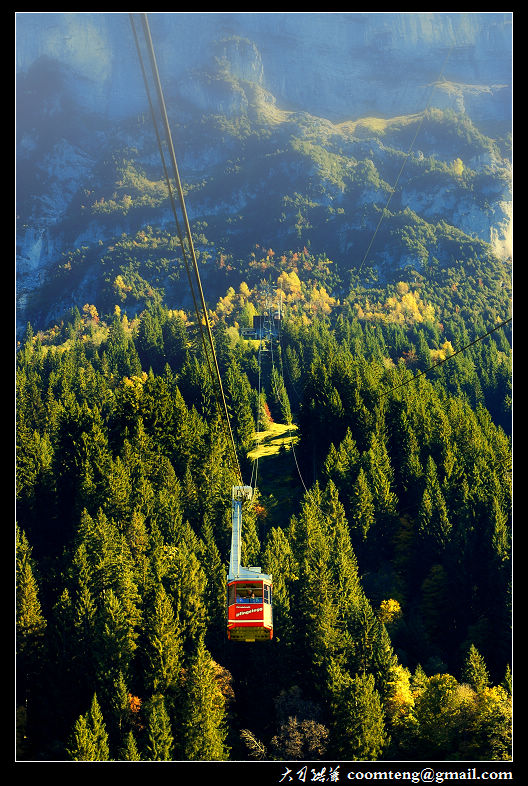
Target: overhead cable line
(278, 397)
(439, 362)
(254, 468)
(167, 179)
(406, 157)
(212, 359)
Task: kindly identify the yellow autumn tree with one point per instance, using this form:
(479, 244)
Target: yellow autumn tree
(320, 301)
(400, 699)
(290, 284)
(389, 611)
(458, 167)
(444, 352)
(90, 312)
(226, 304)
(244, 292)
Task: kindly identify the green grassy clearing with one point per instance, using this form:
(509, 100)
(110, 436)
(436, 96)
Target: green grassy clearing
(270, 442)
(278, 480)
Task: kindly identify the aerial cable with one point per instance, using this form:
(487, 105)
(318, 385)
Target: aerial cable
(178, 227)
(258, 404)
(393, 189)
(162, 106)
(278, 399)
(170, 144)
(167, 179)
(254, 467)
(439, 362)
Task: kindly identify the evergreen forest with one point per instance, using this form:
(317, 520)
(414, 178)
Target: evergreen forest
(383, 513)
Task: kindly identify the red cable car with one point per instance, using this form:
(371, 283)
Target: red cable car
(249, 592)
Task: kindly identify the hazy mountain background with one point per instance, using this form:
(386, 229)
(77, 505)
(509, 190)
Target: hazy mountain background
(290, 131)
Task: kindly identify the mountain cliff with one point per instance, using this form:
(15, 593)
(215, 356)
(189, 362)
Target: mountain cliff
(290, 128)
(335, 65)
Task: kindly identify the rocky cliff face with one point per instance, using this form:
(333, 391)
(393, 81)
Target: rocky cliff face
(286, 76)
(336, 65)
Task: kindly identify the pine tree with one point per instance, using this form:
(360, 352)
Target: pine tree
(119, 705)
(160, 741)
(175, 341)
(99, 731)
(278, 560)
(250, 547)
(30, 621)
(215, 593)
(149, 341)
(474, 671)
(163, 645)
(315, 602)
(434, 524)
(404, 450)
(381, 480)
(238, 392)
(115, 643)
(204, 729)
(357, 731)
(362, 511)
(89, 740)
(129, 751)
(347, 592)
(118, 495)
(120, 351)
(186, 584)
(82, 744)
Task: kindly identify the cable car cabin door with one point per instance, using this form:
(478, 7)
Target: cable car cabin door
(250, 612)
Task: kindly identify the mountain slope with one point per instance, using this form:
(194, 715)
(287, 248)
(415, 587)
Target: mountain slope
(255, 170)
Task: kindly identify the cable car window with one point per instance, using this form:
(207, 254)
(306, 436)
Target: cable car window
(267, 593)
(249, 593)
(232, 594)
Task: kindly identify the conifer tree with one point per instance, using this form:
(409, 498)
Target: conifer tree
(279, 561)
(129, 750)
(474, 671)
(434, 524)
(347, 592)
(119, 707)
(186, 584)
(30, 621)
(357, 730)
(120, 351)
(381, 480)
(99, 730)
(31, 645)
(150, 341)
(317, 611)
(404, 450)
(215, 589)
(362, 510)
(82, 744)
(115, 643)
(34, 477)
(250, 547)
(238, 392)
(89, 740)
(160, 741)
(203, 726)
(163, 645)
(175, 341)
(118, 495)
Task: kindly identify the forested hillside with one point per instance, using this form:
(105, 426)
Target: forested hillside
(385, 523)
(347, 178)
